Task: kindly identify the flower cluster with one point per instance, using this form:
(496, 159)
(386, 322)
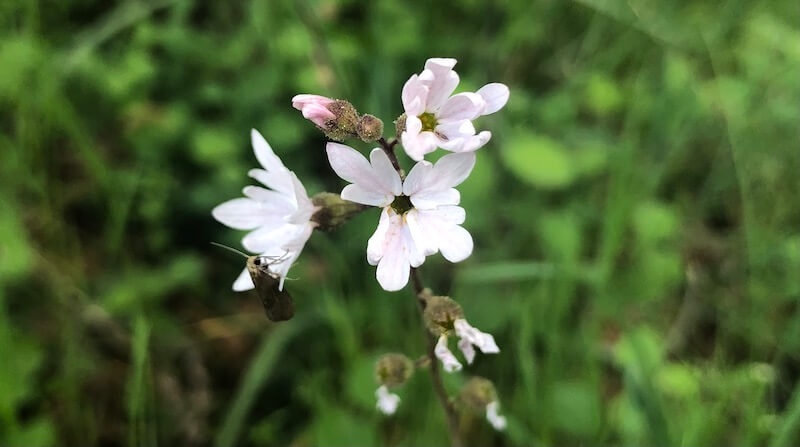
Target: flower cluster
(419, 212)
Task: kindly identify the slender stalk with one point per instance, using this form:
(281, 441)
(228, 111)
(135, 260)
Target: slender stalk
(416, 282)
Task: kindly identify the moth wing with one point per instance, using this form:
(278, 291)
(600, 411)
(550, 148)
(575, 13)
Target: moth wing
(278, 304)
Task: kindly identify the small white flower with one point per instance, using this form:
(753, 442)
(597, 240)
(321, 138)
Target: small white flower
(493, 416)
(469, 337)
(419, 217)
(436, 119)
(449, 361)
(387, 402)
(279, 217)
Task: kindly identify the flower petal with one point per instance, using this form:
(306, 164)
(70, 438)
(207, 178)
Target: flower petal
(358, 194)
(466, 347)
(243, 282)
(387, 402)
(350, 165)
(493, 416)
(414, 95)
(394, 265)
(318, 114)
(484, 341)
(495, 95)
(299, 101)
(270, 238)
(243, 214)
(385, 171)
(375, 245)
(463, 106)
(449, 361)
(442, 84)
(453, 241)
(430, 185)
(264, 153)
(415, 142)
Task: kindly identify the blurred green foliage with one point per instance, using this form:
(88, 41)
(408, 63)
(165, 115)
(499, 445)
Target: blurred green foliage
(636, 219)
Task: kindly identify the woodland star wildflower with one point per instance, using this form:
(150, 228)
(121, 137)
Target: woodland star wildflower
(419, 217)
(436, 119)
(314, 108)
(279, 217)
(469, 338)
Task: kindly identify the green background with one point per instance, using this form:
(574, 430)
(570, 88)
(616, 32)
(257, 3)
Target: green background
(636, 219)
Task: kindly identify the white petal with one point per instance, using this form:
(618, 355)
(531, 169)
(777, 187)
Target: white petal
(387, 402)
(484, 341)
(270, 238)
(449, 361)
(494, 417)
(415, 254)
(463, 106)
(358, 194)
(414, 96)
(495, 95)
(385, 172)
(304, 207)
(394, 265)
(418, 178)
(243, 282)
(452, 169)
(280, 180)
(417, 143)
(375, 244)
(430, 199)
(466, 347)
(243, 214)
(350, 165)
(423, 240)
(278, 200)
(474, 143)
(264, 152)
(443, 83)
(453, 241)
(449, 171)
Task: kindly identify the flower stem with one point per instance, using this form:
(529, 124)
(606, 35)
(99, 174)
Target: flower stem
(436, 377)
(388, 147)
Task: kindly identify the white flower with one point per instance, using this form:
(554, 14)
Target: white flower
(436, 119)
(279, 217)
(469, 337)
(419, 217)
(387, 402)
(494, 417)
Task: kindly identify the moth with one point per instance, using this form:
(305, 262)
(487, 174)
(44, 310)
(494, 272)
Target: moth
(278, 304)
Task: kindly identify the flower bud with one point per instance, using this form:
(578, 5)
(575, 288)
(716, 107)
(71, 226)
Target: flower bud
(369, 128)
(333, 211)
(393, 369)
(344, 123)
(477, 393)
(400, 124)
(440, 314)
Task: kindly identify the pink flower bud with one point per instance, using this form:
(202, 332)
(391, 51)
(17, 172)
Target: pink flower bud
(314, 108)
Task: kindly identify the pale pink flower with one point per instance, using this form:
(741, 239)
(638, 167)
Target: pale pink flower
(469, 338)
(314, 108)
(434, 118)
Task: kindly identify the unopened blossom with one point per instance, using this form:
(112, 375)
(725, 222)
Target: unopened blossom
(279, 217)
(314, 108)
(494, 417)
(469, 339)
(387, 402)
(419, 217)
(434, 118)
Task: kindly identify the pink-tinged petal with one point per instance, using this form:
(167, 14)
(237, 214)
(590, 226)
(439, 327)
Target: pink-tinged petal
(385, 172)
(484, 341)
(466, 348)
(350, 165)
(432, 199)
(359, 194)
(264, 153)
(463, 106)
(243, 282)
(300, 101)
(269, 238)
(456, 245)
(417, 178)
(455, 129)
(393, 268)
(318, 114)
(375, 245)
(422, 239)
(449, 361)
(414, 95)
(442, 84)
(452, 169)
(428, 186)
(417, 147)
(478, 141)
(495, 95)
(414, 253)
(242, 214)
(493, 416)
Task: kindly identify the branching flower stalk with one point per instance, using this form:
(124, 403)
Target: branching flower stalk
(420, 216)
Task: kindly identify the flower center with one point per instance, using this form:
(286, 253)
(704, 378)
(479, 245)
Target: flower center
(401, 204)
(428, 121)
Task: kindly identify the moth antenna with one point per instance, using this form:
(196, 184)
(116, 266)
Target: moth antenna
(229, 249)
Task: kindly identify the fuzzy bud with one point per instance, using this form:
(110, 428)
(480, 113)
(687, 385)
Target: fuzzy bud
(477, 393)
(369, 128)
(344, 123)
(440, 314)
(333, 211)
(400, 124)
(393, 369)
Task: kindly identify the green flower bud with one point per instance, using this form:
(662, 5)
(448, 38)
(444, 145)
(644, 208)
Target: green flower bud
(393, 369)
(369, 128)
(477, 393)
(440, 314)
(400, 124)
(333, 211)
(344, 124)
